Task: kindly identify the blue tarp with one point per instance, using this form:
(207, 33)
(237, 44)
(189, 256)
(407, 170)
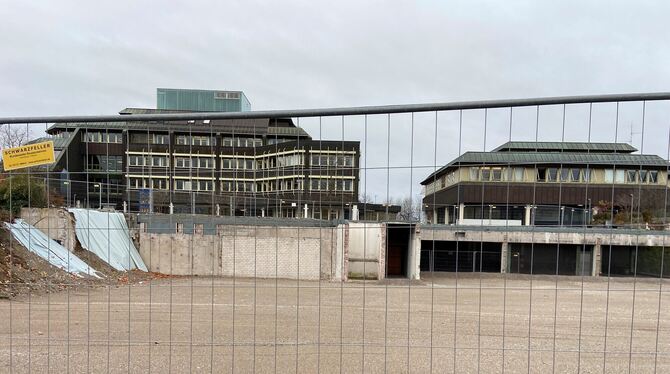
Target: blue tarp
(106, 234)
(40, 244)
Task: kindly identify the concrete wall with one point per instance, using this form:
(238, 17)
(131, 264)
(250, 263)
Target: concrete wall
(243, 251)
(540, 235)
(58, 224)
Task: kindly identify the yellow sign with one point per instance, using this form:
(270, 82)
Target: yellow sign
(28, 155)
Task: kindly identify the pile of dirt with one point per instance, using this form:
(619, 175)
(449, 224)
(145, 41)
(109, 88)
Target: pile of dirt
(23, 272)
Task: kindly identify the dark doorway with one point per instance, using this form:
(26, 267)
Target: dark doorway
(397, 249)
(459, 256)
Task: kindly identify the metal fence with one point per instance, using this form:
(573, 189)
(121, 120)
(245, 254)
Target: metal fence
(491, 236)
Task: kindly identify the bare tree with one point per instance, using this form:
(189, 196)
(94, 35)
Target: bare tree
(12, 136)
(410, 209)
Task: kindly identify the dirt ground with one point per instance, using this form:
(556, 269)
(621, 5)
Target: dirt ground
(23, 272)
(439, 325)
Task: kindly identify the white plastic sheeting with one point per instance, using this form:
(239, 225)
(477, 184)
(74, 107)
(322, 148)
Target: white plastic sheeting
(40, 244)
(106, 234)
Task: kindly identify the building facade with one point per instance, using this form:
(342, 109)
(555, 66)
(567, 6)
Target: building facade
(242, 167)
(546, 183)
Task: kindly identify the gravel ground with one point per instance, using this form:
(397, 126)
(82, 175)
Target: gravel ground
(246, 325)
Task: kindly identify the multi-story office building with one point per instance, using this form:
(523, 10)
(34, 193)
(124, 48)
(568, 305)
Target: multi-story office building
(202, 100)
(244, 167)
(544, 183)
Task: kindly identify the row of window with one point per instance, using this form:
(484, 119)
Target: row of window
(153, 138)
(287, 184)
(321, 184)
(495, 174)
(565, 175)
(631, 176)
(197, 140)
(331, 160)
(104, 163)
(102, 137)
(288, 160)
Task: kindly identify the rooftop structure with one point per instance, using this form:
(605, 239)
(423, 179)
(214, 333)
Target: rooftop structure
(201, 100)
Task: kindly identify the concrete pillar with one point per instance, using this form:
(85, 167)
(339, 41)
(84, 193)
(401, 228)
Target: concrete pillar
(305, 211)
(504, 257)
(597, 259)
(461, 212)
(526, 220)
(446, 215)
(354, 213)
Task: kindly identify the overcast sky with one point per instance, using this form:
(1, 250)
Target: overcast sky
(97, 57)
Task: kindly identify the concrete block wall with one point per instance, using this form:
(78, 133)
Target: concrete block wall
(56, 223)
(243, 251)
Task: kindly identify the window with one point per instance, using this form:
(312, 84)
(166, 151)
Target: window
(204, 185)
(348, 185)
(619, 176)
(249, 164)
(541, 175)
(631, 176)
(105, 163)
(160, 139)
(586, 175)
(552, 174)
(474, 174)
(182, 162)
(565, 175)
(138, 138)
(182, 140)
(318, 184)
(114, 138)
(200, 140)
(229, 163)
(159, 184)
(653, 176)
(643, 176)
(518, 174)
(134, 160)
(182, 185)
(496, 174)
(574, 175)
(203, 163)
(609, 176)
(159, 161)
(485, 174)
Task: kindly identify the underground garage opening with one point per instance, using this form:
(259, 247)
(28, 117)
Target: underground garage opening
(563, 259)
(461, 256)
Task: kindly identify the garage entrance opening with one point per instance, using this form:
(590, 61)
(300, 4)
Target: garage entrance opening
(397, 249)
(564, 259)
(463, 257)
